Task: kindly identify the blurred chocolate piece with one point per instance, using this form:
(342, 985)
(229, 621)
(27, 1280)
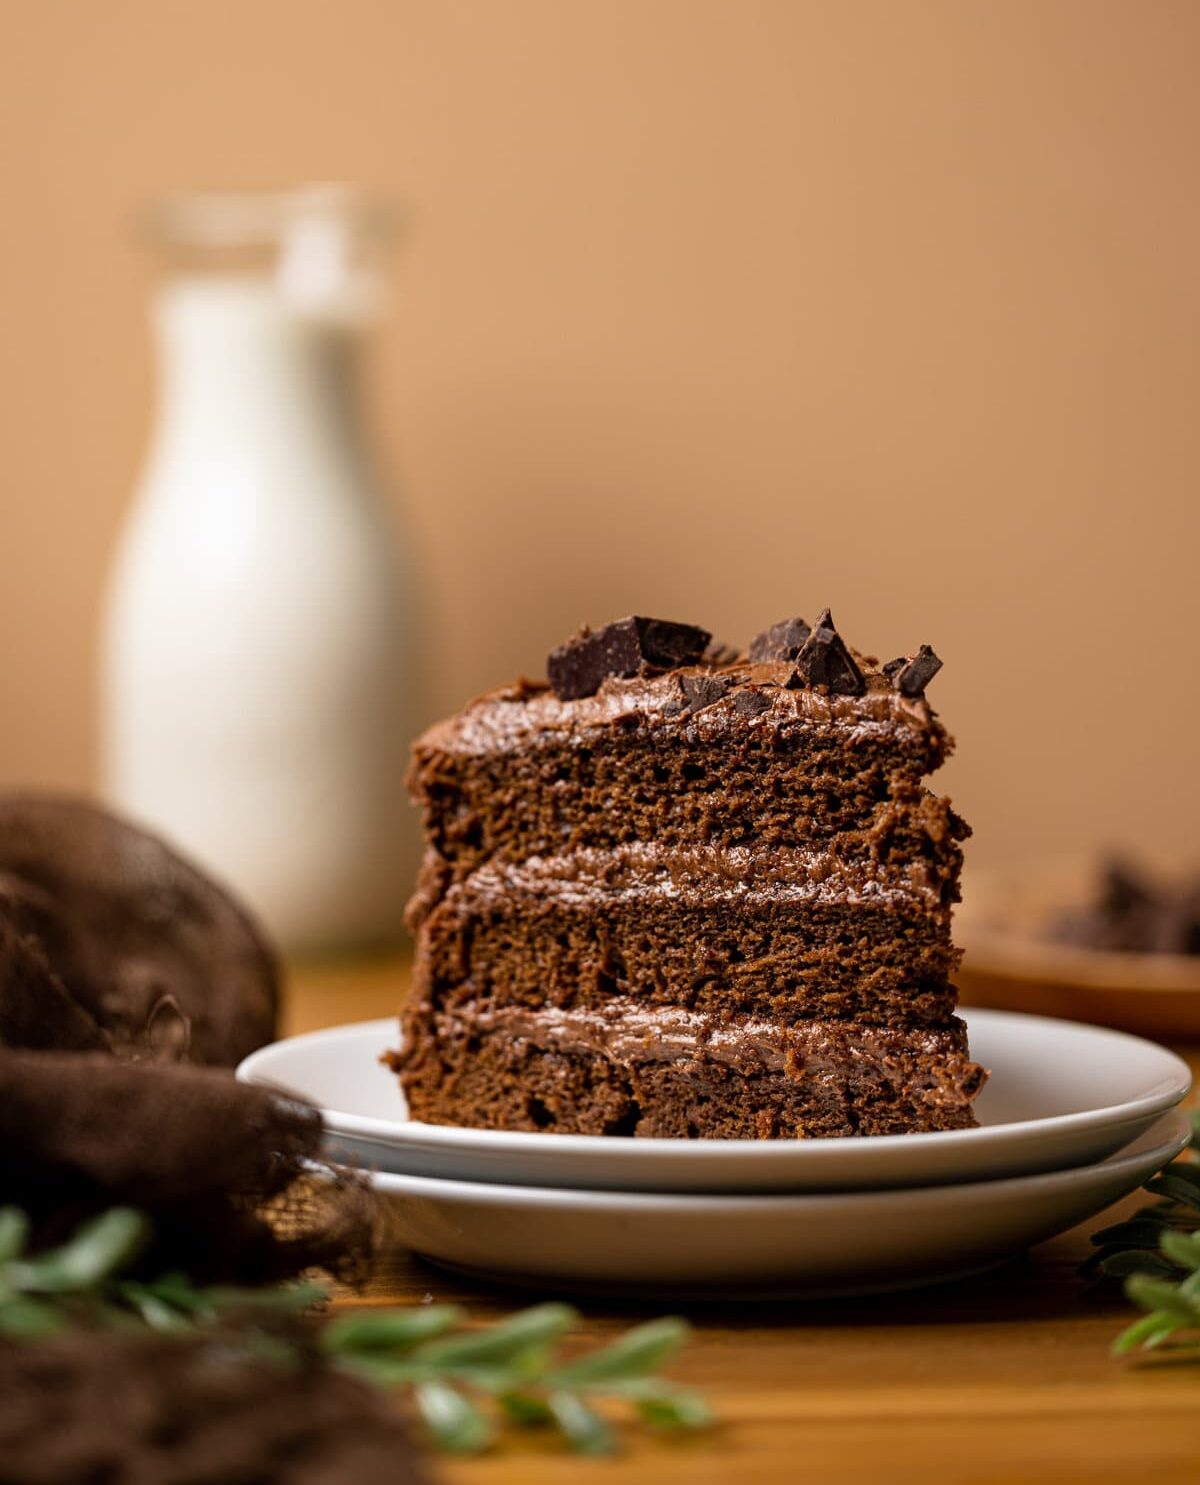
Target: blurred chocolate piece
(703, 690)
(824, 660)
(1133, 913)
(910, 674)
(121, 943)
(629, 647)
(782, 641)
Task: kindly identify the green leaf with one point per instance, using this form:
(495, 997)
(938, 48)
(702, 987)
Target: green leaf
(383, 1370)
(584, 1428)
(178, 1291)
(1195, 1122)
(1154, 1294)
(1188, 1171)
(1175, 1186)
(153, 1309)
(288, 1298)
(517, 1372)
(635, 1354)
(1122, 1265)
(454, 1422)
(499, 1343)
(525, 1409)
(1150, 1331)
(14, 1232)
(1138, 1232)
(1182, 1248)
(389, 1330)
(671, 1407)
(100, 1249)
(22, 1318)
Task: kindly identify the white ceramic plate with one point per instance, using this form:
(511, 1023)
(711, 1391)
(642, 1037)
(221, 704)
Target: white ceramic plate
(730, 1246)
(1060, 1094)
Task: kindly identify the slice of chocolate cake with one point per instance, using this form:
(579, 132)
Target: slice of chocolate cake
(684, 893)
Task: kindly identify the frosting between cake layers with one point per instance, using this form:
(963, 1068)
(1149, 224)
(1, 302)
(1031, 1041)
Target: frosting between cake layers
(628, 1033)
(704, 874)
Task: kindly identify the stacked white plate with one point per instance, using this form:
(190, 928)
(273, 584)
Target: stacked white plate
(1073, 1117)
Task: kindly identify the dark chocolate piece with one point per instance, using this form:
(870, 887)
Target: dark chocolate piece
(751, 703)
(703, 690)
(629, 647)
(910, 674)
(824, 660)
(782, 641)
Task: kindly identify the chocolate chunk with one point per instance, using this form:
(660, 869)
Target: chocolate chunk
(910, 674)
(703, 690)
(633, 646)
(824, 660)
(751, 703)
(782, 641)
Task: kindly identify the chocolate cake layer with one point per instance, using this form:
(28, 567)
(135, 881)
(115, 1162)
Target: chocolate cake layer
(783, 934)
(676, 1074)
(519, 774)
(691, 894)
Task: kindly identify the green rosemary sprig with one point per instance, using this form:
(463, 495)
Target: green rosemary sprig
(1135, 1245)
(465, 1383)
(1156, 1252)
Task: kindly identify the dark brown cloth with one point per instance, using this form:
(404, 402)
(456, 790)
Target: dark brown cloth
(137, 1409)
(110, 939)
(119, 965)
(221, 1167)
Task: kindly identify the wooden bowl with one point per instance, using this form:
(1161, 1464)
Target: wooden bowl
(1003, 925)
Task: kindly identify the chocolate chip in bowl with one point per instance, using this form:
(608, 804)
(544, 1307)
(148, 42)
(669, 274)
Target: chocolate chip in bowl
(1114, 941)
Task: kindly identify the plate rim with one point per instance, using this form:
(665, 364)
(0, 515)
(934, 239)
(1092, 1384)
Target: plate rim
(510, 1194)
(412, 1133)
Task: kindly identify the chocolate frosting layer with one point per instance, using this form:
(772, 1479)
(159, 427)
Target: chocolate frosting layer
(707, 874)
(629, 1033)
(517, 716)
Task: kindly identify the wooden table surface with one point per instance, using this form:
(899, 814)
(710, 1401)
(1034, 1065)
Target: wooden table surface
(1005, 1378)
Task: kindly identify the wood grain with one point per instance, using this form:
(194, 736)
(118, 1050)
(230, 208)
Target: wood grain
(1002, 1379)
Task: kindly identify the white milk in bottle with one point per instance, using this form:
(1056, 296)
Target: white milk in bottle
(258, 690)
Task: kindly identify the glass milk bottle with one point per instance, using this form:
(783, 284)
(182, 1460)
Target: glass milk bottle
(257, 688)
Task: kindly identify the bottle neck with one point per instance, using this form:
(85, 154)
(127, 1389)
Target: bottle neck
(245, 376)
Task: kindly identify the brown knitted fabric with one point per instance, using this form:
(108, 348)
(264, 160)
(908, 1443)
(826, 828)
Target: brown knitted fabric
(119, 964)
(138, 1409)
(122, 943)
(220, 1166)
(36, 1008)
(117, 960)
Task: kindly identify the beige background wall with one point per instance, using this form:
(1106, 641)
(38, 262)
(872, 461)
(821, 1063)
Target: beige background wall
(719, 311)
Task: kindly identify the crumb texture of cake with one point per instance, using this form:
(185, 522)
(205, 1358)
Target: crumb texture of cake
(690, 893)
